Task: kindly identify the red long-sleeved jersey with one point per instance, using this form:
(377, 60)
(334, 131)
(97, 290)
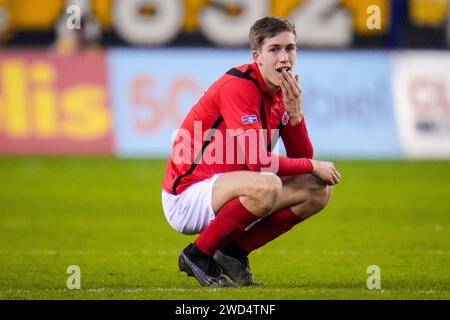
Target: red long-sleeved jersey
(233, 127)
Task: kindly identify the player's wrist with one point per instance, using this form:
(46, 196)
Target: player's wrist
(314, 165)
(296, 118)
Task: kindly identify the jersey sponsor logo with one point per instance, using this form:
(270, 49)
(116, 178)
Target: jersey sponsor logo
(249, 119)
(284, 118)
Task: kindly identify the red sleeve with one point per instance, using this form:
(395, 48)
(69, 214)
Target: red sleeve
(259, 159)
(240, 108)
(239, 104)
(296, 141)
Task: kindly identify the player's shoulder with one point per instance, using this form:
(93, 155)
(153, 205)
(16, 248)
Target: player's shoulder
(239, 80)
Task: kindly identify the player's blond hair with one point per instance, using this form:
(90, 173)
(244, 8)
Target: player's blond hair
(268, 27)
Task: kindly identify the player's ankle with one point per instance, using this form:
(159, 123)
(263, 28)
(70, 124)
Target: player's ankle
(196, 252)
(233, 249)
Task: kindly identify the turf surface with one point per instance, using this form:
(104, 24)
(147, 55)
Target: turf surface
(105, 216)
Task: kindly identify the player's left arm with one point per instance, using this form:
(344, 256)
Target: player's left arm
(295, 135)
(296, 141)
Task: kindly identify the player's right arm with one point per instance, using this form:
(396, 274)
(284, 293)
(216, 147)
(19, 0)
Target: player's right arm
(240, 100)
(326, 171)
(301, 145)
(296, 141)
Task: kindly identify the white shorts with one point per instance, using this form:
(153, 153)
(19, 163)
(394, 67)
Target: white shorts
(191, 211)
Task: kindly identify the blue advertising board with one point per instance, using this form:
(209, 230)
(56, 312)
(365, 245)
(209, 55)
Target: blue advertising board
(152, 91)
(348, 104)
(347, 98)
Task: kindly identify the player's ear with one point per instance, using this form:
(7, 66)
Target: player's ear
(256, 55)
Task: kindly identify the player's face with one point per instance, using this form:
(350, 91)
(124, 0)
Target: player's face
(277, 53)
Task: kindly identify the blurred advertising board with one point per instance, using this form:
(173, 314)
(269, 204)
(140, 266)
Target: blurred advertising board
(348, 105)
(152, 91)
(53, 104)
(347, 98)
(422, 87)
(325, 23)
(129, 102)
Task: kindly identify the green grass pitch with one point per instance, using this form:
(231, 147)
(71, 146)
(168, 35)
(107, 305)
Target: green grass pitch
(105, 216)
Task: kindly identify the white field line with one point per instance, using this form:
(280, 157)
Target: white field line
(143, 290)
(124, 290)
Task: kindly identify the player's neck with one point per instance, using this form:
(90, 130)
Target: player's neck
(272, 88)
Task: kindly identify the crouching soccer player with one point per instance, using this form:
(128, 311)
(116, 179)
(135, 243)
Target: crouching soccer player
(233, 206)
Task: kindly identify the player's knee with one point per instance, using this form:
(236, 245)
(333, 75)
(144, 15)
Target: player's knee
(319, 196)
(267, 191)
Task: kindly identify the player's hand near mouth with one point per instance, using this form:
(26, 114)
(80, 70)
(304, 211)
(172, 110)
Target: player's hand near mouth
(292, 97)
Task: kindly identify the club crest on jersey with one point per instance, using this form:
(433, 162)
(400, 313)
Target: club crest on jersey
(249, 119)
(284, 118)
